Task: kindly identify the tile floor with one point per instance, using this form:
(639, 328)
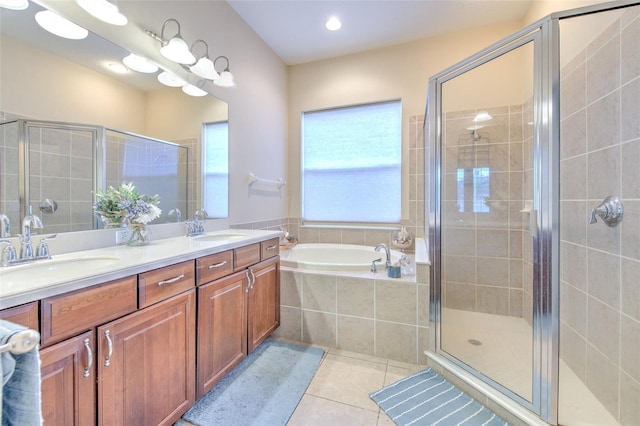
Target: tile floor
(339, 392)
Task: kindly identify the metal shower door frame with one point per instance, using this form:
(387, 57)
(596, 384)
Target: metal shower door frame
(543, 34)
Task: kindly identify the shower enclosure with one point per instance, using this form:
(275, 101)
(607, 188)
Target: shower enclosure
(530, 302)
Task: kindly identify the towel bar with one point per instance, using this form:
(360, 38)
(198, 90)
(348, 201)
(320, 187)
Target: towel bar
(21, 342)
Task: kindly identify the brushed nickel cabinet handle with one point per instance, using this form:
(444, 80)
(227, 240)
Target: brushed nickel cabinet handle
(272, 247)
(246, 273)
(87, 370)
(253, 278)
(172, 280)
(217, 265)
(107, 360)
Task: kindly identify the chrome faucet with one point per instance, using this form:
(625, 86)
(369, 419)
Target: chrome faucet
(30, 221)
(197, 226)
(5, 226)
(177, 213)
(387, 252)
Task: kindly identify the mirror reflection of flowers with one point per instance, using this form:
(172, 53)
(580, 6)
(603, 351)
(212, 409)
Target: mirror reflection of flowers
(116, 205)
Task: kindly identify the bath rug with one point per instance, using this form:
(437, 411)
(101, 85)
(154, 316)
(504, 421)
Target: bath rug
(264, 389)
(426, 398)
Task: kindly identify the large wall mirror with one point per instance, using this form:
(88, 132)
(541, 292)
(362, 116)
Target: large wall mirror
(67, 84)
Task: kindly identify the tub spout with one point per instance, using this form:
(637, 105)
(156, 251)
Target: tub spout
(387, 252)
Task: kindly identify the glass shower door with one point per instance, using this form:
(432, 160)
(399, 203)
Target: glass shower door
(488, 222)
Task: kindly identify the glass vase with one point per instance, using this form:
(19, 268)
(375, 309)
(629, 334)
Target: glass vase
(138, 235)
(112, 222)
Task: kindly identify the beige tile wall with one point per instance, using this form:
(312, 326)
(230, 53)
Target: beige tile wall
(600, 266)
(9, 178)
(483, 266)
(383, 317)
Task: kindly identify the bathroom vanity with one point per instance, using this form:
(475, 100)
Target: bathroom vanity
(140, 342)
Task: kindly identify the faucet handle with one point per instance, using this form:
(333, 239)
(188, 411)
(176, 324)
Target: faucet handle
(374, 269)
(43, 249)
(8, 253)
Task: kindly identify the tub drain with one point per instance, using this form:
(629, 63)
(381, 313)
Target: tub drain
(475, 342)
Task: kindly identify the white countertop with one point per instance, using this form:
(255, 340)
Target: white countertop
(71, 271)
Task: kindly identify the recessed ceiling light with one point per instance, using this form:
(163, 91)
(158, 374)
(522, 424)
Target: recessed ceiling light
(60, 26)
(333, 24)
(14, 4)
(118, 68)
(104, 11)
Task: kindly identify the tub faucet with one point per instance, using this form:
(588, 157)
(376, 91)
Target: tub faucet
(387, 252)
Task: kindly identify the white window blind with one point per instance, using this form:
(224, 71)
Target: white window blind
(216, 169)
(351, 164)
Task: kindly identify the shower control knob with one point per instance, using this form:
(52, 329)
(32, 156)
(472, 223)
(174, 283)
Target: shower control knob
(610, 211)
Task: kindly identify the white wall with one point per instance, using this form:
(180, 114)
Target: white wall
(400, 71)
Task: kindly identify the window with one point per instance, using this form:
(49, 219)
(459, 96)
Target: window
(216, 169)
(351, 164)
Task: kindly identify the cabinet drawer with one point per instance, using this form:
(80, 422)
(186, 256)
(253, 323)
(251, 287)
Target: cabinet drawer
(26, 315)
(70, 313)
(246, 256)
(269, 248)
(212, 267)
(162, 283)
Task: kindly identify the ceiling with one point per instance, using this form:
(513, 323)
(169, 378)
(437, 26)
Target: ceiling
(294, 29)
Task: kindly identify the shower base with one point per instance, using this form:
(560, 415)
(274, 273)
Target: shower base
(500, 347)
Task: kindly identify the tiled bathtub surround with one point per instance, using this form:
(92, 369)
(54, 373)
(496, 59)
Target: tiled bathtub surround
(600, 266)
(374, 316)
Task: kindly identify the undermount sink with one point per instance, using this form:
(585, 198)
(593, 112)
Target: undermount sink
(220, 237)
(60, 266)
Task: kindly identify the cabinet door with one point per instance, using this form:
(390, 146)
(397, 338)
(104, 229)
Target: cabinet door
(222, 329)
(146, 364)
(264, 301)
(68, 382)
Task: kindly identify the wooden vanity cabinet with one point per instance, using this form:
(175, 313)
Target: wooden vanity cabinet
(263, 305)
(222, 329)
(146, 364)
(26, 315)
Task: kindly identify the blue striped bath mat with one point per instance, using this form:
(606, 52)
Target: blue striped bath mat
(426, 398)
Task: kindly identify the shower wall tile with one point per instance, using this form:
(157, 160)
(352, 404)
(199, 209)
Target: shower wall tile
(493, 271)
(493, 300)
(573, 135)
(630, 347)
(629, 400)
(630, 67)
(603, 379)
(574, 314)
(573, 172)
(600, 115)
(603, 69)
(573, 91)
(630, 289)
(601, 320)
(573, 351)
(575, 270)
(630, 170)
(630, 110)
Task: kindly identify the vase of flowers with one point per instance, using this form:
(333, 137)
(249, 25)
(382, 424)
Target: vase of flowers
(125, 205)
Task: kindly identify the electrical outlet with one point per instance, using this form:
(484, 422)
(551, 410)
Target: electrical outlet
(121, 236)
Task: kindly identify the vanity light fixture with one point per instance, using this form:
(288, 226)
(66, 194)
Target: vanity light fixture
(139, 64)
(192, 90)
(170, 79)
(118, 68)
(333, 24)
(175, 49)
(226, 78)
(60, 26)
(204, 67)
(14, 4)
(104, 11)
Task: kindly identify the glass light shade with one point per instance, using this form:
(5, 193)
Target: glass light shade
(482, 116)
(118, 68)
(14, 4)
(204, 68)
(333, 24)
(170, 79)
(140, 64)
(176, 50)
(104, 11)
(192, 90)
(225, 80)
(60, 26)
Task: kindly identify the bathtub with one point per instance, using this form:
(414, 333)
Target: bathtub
(335, 257)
